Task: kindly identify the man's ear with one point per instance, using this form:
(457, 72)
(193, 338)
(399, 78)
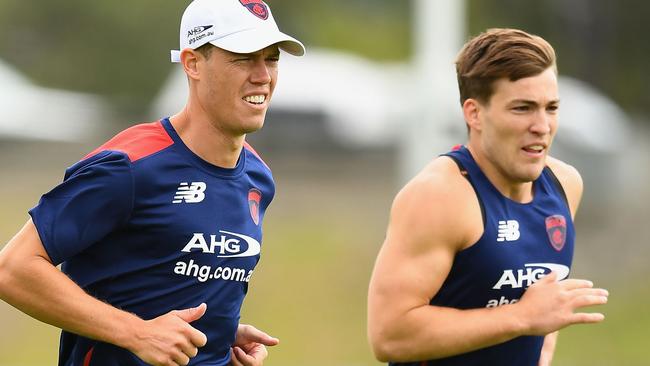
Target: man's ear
(190, 59)
(472, 110)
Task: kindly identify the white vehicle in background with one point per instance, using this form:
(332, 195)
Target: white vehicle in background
(33, 112)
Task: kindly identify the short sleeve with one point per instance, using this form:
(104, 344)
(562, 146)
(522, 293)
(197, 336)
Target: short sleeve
(95, 198)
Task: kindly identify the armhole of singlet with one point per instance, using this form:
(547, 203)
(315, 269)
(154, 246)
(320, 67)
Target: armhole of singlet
(558, 185)
(465, 174)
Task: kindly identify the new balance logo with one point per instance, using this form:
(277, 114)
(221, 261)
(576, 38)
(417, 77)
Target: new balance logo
(190, 193)
(508, 230)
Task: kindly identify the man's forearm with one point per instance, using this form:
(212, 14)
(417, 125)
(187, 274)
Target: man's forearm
(33, 285)
(431, 332)
(428, 332)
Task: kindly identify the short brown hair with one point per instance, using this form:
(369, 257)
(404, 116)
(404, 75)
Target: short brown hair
(500, 53)
(206, 50)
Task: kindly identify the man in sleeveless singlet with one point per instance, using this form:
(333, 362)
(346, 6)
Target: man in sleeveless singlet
(474, 269)
(159, 230)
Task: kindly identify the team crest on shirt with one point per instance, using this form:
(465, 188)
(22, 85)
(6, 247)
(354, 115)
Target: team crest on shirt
(254, 198)
(257, 7)
(556, 230)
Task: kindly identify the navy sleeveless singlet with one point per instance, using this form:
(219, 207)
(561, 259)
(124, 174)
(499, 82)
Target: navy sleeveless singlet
(521, 243)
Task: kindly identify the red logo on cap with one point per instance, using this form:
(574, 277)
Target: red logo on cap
(257, 7)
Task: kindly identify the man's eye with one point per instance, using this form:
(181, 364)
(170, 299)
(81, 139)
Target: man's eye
(521, 108)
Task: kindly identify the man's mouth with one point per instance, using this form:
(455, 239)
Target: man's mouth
(255, 99)
(534, 149)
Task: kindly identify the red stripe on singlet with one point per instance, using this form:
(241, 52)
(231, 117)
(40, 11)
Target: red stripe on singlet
(89, 355)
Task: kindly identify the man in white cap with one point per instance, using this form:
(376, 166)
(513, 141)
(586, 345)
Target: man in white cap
(158, 230)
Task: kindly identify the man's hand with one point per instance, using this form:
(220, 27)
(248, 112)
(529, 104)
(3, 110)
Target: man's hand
(169, 340)
(549, 305)
(250, 344)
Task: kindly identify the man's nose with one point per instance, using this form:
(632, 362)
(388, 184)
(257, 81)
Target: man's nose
(261, 73)
(542, 122)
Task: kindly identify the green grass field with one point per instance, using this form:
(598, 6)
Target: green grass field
(321, 237)
(622, 339)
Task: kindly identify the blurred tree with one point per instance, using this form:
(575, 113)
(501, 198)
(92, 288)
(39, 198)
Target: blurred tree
(122, 51)
(378, 29)
(599, 41)
(106, 47)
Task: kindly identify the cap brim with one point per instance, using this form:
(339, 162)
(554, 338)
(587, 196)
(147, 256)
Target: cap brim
(253, 40)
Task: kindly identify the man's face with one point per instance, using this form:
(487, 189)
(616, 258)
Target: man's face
(518, 125)
(235, 89)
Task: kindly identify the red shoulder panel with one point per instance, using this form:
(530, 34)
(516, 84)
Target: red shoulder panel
(248, 147)
(138, 141)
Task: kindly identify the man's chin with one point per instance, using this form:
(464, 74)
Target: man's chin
(252, 127)
(530, 175)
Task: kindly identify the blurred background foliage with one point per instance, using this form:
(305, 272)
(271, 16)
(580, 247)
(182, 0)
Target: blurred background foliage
(328, 219)
(121, 50)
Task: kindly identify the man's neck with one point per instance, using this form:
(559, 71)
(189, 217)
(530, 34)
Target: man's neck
(521, 192)
(207, 140)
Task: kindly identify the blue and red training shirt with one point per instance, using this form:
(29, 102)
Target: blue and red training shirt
(147, 226)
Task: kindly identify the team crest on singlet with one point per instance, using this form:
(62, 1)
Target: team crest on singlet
(257, 7)
(556, 230)
(254, 198)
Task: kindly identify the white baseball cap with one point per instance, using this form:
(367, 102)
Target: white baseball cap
(240, 26)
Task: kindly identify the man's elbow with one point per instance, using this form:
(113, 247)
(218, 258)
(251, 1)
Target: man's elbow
(4, 275)
(383, 351)
(9, 273)
(385, 346)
